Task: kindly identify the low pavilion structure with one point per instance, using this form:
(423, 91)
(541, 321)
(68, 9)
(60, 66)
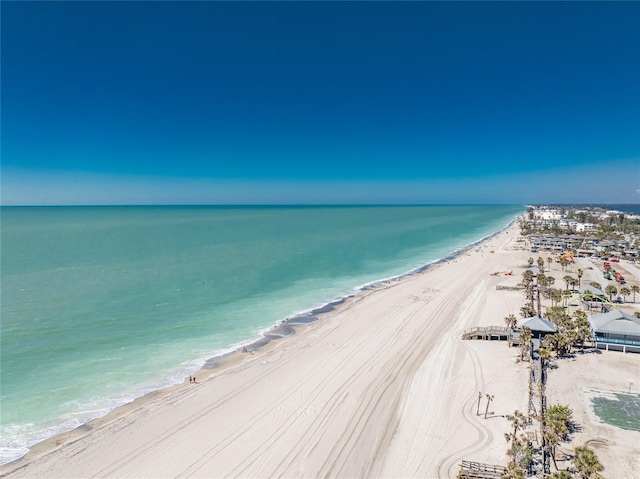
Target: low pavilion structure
(616, 330)
(539, 326)
(535, 270)
(596, 294)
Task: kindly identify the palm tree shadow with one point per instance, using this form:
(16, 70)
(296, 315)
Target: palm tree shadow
(590, 351)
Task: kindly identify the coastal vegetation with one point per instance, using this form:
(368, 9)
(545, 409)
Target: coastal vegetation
(617, 236)
(557, 427)
(587, 463)
(521, 451)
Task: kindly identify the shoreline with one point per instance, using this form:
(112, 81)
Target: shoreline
(222, 365)
(281, 329)
(211, 366)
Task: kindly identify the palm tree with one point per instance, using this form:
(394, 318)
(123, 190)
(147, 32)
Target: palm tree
(573, 339)
(527, 282)
(562, 475)
(545, 356)
(513, 472)
(587, 296)
(635, 289)
(555, 295)
(541, 280)
(557, 424)
(587, 463)
(566, 294)
(564, 417)
(489, 399)
(549, 261)
(568, 279)
(556, 342)
(563, 263)
(527, 278)
(541, 284)
(525, 337)
(559, 316)
(582, 327)
(511, 321)
(574, 282)
(518, 421)
(540, 264)
(580, 273)
(611, 290)
(551, 440)
(530, 261)
(624, 291)
(526, 311)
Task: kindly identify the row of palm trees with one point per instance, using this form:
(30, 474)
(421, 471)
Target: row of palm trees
(611, 289)
(573, 330)
(557, 425)
(570, 281)
(542, 286)
(564, 262)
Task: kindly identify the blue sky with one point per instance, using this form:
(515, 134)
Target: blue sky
(320, 102)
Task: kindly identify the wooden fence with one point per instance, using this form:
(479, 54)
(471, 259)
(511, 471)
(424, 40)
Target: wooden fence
(479, 470)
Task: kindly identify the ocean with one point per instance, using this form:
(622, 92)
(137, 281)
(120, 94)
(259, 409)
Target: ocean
(625, 208)
(100, 305)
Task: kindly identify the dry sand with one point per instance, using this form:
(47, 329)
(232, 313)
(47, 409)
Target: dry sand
(573, 383)
(382, 386)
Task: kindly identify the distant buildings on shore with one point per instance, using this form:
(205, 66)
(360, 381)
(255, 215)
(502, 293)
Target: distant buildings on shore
(584, 231)
(582, 245)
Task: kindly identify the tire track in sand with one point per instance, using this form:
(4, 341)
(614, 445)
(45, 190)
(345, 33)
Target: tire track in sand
(448, 466)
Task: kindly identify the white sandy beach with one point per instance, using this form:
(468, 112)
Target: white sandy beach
(382, 386)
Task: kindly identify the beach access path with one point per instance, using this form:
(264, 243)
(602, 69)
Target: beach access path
(383, 386)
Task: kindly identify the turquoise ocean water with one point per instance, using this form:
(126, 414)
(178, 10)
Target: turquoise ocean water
(100, 305)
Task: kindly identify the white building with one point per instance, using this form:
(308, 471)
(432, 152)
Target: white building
(547, 214)
(581, 227)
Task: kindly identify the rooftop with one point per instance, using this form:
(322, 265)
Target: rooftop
(615, 322)
(536, 323)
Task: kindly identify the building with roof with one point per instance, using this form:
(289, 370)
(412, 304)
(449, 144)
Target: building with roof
(616, 330)
(547, 214)
(539, 326)
(596, 294)
(534, 269)
(582, 227)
